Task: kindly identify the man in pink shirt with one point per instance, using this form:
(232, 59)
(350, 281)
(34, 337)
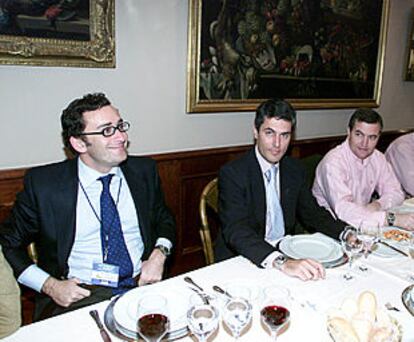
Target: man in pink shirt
(400, 154)
(352, 172)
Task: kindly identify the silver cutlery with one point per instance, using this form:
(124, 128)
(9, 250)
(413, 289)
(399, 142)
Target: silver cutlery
(104, 334)
(222, 291)
(198, 289)
(389, 306)
(393, 248)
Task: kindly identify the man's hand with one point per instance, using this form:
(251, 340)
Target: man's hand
(64, 292)
(304, 269)
(404, 220)
(152, 269)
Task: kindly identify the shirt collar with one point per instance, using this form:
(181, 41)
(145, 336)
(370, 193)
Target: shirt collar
(358, 161)
(88, 176)
(264, 164)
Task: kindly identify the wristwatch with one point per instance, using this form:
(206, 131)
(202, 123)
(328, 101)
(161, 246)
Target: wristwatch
(390, 218)
(164, 250)
(279, 262)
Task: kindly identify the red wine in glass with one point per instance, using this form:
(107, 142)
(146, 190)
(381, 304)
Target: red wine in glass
(275, 317)
(153, 327)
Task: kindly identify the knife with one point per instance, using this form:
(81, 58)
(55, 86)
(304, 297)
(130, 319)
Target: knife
(105, 336)
(393, 248)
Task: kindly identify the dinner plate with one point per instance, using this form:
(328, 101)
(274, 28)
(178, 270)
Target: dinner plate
(385, 252)
(409, 202)
(129, 335)
(125, 309)
(315, 246)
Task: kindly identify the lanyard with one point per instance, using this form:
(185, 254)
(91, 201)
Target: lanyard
(106, 233)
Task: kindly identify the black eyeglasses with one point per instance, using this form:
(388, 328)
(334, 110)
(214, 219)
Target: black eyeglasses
(110, 130)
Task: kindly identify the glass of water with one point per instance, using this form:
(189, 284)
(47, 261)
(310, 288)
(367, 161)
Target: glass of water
(237, 314)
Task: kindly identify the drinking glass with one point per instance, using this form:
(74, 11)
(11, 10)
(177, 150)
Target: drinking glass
(351, 245)
(203, 320)
(153, 321)
(275, 312)
(368, 233)
(411, 254)
(237, 314)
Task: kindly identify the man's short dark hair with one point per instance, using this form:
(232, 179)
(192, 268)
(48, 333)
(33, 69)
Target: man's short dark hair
(366, 115)
(275, 108)
(72, 120)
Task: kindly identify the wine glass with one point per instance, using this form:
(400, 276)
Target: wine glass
(153, 321)
(275, 312)
(203, 320)
(351, 245)
(368, 233)
(237, 313)
(410, 275)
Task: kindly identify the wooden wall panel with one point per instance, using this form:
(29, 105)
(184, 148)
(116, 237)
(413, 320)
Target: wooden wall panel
(183, 176)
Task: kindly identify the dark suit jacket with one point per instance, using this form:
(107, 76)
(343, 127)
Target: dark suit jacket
(242, 207)
(45, 212)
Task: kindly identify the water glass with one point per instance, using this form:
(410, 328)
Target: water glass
(369, 234)
(351, 245)
(237, 314)
(203, 320)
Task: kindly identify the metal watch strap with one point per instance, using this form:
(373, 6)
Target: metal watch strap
(164, 250)
(390, 218)
(279, 261)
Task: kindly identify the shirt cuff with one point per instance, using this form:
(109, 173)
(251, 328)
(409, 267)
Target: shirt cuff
(33, 277)
(268, 262)
(164, 242)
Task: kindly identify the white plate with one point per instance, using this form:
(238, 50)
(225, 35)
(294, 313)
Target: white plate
(316, 246)
(385, 252)
(393, 242)
(125, 309)
(409, 202)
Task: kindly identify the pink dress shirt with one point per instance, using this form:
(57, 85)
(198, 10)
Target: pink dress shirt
(344, 185)
(400, 154)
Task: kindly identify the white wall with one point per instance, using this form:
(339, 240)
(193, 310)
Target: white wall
(149, 86)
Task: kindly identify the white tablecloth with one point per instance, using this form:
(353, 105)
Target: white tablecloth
(308, 311)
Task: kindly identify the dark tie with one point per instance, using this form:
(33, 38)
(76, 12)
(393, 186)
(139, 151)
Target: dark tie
(114, 249)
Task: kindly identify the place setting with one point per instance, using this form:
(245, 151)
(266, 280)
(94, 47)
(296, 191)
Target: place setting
(314, 246)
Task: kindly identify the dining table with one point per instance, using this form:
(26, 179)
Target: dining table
(310, 301)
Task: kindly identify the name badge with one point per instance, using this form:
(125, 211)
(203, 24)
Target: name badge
(105, 274)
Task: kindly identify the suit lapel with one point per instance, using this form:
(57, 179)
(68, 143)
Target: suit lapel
(65, 211)
(257, 190)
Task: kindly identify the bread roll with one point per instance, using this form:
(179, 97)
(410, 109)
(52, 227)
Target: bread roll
(342, 330)
(367, 305)
(362, 327)
(349, 307)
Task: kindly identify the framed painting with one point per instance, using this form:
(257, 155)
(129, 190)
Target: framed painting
(409, 71)
(315, 53)
(70, 33)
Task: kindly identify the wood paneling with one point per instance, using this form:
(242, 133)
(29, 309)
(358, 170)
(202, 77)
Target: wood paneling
(183, 176)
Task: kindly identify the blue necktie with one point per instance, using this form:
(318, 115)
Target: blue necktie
(114, 248)
(274, 210)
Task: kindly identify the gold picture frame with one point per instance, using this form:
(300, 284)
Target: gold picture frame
(96, 51)
(409, 70)
(225, 55)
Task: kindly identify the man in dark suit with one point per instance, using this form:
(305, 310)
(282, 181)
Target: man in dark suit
(249, 225)
(75, 223)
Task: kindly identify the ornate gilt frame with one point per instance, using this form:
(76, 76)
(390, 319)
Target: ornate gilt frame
(409, 67)
(195, 104)
(98, 52)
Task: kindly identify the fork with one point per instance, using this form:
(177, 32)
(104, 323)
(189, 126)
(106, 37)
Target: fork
(389, 306)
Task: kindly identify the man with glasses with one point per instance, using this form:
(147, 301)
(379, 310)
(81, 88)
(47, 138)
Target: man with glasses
(351, 173)
(99, 221)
